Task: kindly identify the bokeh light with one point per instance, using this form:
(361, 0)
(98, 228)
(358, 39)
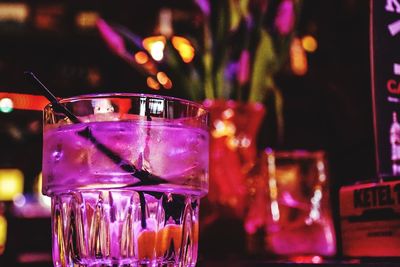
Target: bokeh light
(298, 58)
(153, 84)
(164, 80)
(3, 233)
(11, 184)
(141, 58)
(155, 46)
(309, 43)
(86, 19)
(185, 49)
(17, 12)
(6, 105)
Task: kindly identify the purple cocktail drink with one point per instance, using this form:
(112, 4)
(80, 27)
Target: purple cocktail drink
(126, 180)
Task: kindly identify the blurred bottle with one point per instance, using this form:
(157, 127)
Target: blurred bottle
(395, 144)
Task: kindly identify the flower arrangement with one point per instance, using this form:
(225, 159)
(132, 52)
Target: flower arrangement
(242, 44)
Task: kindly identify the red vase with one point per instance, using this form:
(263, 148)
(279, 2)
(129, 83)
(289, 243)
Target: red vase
(233, 152)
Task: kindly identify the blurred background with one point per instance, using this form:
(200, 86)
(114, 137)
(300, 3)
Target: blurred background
(327, 102)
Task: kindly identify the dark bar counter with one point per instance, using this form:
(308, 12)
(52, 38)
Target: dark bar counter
(250, 263)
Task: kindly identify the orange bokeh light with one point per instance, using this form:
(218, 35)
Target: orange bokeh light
(141, 57)
(153, 84)
(162, 77)
(184, 48)
(309, 43)
(17, 12)
(298, 58)
(86, 19)
(164, 80)
(155, 46)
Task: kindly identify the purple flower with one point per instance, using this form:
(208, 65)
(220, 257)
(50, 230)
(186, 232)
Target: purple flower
(231, 70)
(284, 20)
(244, 67)
(204, 6)
(113, 40)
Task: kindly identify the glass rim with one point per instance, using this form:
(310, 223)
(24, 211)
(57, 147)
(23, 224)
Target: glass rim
(127, 95)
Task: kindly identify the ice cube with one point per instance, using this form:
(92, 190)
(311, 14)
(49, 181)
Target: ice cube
(122, 139)
(175, 153)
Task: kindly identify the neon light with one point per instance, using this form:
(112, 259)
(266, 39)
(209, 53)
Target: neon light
(25, 101)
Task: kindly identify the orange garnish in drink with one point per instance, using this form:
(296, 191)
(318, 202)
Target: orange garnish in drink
(195, 226)
(146, 243)
(170, 234)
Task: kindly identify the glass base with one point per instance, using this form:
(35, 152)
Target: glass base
(124, 228)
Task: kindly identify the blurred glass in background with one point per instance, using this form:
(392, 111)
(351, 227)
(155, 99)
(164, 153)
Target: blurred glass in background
(289, 213)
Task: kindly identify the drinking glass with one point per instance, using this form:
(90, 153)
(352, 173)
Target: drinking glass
(125, 177)
(291, 207)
